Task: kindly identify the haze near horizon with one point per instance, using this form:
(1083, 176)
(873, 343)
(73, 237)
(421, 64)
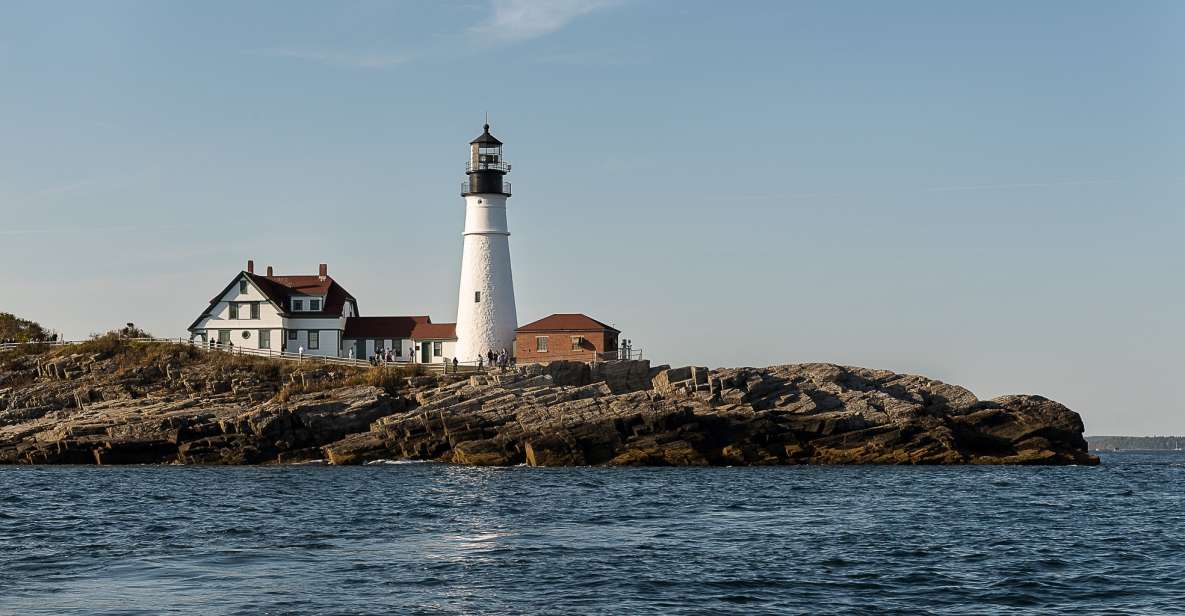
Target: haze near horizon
(985, 194)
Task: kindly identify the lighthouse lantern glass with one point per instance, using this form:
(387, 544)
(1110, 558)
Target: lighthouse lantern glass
(486, 156)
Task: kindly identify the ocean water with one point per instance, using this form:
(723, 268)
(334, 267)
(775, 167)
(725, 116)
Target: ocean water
(438, 539)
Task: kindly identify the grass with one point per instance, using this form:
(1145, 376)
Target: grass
(390, 378)
(128, 356)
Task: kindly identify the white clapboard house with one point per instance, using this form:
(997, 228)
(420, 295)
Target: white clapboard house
(315, 315)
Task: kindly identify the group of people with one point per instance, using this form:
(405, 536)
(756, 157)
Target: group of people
(381, 356)
(501, 359)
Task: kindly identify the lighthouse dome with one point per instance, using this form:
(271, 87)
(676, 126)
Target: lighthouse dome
(485, 138)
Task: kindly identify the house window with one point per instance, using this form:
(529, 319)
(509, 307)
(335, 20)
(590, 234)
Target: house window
(577, 343)
(292, 334)
(223, 336)
(242, 287)
(298, 305)
(540, 344)
(234, 310)
(437, 349)
(315, 305)
(477, 297)
(265, 339)
(314, 339)
(255, 310)
(398, 348)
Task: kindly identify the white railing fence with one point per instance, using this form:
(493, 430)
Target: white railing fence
(446, 367)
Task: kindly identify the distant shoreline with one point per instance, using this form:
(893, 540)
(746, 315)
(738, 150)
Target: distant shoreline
(1136, 443)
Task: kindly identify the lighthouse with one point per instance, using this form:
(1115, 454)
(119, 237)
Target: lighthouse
(486, 317)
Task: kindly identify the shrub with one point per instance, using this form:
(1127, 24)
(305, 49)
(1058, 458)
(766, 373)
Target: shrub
(390, 378)
(16, 329)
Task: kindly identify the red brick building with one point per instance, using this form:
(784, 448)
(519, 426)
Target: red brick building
(575, 337)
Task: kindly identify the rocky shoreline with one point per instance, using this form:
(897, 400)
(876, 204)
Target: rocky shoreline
(172, 404)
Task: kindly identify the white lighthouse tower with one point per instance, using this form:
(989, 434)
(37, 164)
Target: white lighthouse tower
(486, 317)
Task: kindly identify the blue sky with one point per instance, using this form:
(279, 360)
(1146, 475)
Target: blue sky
(989, 194)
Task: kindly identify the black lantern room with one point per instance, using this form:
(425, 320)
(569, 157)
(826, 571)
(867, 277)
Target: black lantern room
(486, 166)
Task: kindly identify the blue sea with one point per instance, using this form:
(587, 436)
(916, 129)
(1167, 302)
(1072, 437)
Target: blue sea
(438, 539)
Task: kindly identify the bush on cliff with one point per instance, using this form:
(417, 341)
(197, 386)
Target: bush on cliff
(16, 329)
(390, 378)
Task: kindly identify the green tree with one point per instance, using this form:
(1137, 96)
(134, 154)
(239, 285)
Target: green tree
(16, 329)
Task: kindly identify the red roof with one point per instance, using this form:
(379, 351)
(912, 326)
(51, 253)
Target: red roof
(567, 323)
(434, 331)
(308, 285)
(281, 289)
(382, 327)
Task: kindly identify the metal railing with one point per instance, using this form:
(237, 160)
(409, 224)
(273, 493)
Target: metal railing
(587, 356)
(502, 166)
(214, 347)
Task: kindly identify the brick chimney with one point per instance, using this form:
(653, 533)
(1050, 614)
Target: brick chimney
(250, 266)
(269, 271)
(324, 271)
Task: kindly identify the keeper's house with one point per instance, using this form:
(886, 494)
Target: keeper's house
(317, 315)
(574, 337)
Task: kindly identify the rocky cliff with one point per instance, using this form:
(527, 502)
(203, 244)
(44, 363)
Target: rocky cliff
(179, 405)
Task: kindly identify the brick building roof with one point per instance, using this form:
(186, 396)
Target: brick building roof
(567, 323)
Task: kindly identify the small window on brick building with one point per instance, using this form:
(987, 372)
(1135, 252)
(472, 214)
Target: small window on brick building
(476, 297)
(540, 344)
(577, 343)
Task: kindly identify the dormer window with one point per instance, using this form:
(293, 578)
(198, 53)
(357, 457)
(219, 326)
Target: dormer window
(298, 305)
(315, 305)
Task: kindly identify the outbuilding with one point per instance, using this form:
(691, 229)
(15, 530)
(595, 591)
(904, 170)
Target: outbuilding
(576, 337)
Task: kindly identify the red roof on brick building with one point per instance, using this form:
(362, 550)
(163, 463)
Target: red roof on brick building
(567, 323)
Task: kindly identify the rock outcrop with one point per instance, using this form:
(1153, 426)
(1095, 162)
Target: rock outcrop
(78, 409)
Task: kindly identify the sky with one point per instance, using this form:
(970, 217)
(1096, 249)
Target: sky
(989, 193)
